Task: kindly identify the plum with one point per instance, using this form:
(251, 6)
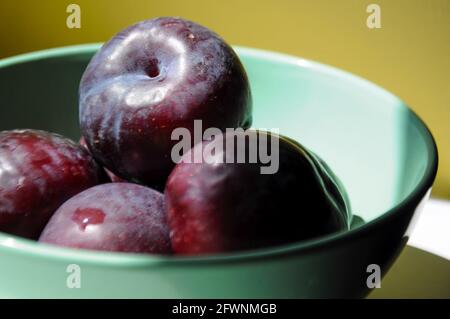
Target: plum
(220, 205)
(122, 217)
(151, 78)
(38, 172)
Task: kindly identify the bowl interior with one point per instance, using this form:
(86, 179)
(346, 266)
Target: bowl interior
(371, 140)
(377, 147)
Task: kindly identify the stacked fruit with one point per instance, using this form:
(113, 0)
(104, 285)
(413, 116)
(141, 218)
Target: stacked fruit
(105, 193)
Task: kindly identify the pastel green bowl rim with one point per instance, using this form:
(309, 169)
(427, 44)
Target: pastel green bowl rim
(114, 259)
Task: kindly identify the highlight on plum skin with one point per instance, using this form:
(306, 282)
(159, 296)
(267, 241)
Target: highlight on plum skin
(151, 78)
(38, 172)
(121, 217)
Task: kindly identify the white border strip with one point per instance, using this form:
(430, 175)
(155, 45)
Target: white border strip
(432, 231)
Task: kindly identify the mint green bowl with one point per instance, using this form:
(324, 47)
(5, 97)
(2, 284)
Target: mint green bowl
(382, 152)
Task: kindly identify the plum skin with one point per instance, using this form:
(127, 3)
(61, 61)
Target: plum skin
(225, 207)
(38, 172)
(151, 78)
(121, 217)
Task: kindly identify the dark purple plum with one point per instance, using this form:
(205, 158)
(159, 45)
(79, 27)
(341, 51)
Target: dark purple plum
(38, 172)
(218, 206)
(120, 217)
(151, 78)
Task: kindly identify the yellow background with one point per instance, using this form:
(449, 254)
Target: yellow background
(409, 55)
